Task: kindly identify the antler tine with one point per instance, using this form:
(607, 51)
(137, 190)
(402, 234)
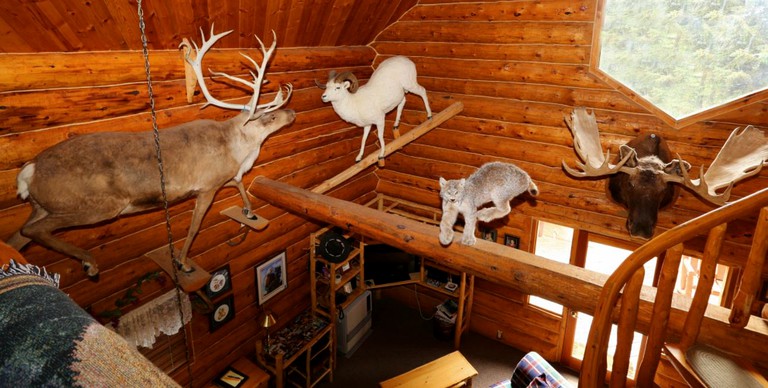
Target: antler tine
(197, 68)
(258, 80)
(586, 143)
(699, 186)
(587, 169)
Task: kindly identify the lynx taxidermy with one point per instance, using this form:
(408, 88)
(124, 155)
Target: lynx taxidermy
(493, 182)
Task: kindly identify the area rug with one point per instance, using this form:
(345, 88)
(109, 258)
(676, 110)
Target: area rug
(46, 339)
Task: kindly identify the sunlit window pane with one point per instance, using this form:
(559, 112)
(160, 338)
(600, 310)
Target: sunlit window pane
(553, 242)
(686, 56)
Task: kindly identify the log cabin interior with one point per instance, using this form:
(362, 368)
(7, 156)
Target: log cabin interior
(501, 77)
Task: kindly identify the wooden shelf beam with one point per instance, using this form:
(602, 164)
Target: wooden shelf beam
(392, 146)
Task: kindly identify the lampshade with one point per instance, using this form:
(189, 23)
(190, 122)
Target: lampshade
(268, 320)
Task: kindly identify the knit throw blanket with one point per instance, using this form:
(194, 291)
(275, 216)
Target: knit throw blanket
(46, 339)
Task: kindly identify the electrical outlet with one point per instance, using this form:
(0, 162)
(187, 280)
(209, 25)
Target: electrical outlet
(499, 334)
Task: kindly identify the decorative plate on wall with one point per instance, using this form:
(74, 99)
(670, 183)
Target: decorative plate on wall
(219, 283)
(223, 312)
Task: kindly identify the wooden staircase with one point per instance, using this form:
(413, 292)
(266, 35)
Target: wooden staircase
(701, 364)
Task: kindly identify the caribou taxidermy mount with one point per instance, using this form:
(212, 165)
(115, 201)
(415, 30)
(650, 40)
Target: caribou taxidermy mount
(99, 176)
(644, 176)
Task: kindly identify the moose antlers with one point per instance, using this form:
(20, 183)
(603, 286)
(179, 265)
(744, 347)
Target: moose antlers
(254, 110)
(586, 143)
(742, 156)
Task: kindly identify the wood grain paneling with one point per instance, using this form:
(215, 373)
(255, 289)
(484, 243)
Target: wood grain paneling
(73, 67)
(73, 25)
(519, 67)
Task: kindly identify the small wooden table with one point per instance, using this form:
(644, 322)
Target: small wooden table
(302, 350)
(451, 370)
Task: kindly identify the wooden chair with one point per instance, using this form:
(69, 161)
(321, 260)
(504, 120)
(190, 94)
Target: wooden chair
(699, 364)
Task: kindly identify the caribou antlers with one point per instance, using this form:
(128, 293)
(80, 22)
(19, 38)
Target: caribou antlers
(258, 79)
(742, 156)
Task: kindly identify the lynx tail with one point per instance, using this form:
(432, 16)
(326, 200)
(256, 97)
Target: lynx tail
(533, 189)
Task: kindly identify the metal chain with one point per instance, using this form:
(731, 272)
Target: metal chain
(159, 155)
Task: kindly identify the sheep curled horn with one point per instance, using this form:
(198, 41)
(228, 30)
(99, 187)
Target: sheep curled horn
(341, 78)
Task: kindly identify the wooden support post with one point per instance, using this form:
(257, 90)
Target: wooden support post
(750, 279)
(391, 147)
(661, 310)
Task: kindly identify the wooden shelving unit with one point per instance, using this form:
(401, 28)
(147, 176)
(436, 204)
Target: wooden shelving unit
(301, 354)
(325, 289)
(463, 294)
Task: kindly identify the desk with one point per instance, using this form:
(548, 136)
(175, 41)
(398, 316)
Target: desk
(451, 370)
(307, 340)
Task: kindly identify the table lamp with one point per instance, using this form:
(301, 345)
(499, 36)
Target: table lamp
(267, 322)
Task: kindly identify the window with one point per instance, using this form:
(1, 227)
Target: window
(603, 254)
(604, 258)
(684, 57)
(688, 278)
(553, 242)
(169, 352)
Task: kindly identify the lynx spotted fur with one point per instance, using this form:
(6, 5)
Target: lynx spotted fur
(493, 182)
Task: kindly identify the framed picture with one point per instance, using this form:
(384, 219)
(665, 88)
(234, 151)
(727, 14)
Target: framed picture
(231, 378)
(219, 283)
(223, 312)
(489, 234)
(271, 278)
(511, 241)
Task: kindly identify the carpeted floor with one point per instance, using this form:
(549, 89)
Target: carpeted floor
(401, 340)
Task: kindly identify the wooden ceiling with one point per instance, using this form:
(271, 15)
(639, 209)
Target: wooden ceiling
(28, 26)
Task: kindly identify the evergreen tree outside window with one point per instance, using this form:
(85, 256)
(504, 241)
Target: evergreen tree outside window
(683, 59)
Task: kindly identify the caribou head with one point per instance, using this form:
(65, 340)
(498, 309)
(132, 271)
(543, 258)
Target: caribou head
(645, 178)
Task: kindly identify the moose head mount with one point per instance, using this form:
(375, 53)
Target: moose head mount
(644, 177)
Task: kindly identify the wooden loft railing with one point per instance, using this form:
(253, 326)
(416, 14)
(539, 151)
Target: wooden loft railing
(698, 363)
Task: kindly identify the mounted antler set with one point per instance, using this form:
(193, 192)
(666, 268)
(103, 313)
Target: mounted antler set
(645, 169)
(258, 78)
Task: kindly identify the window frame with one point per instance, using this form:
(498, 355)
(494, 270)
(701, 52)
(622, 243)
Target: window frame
(715, 111)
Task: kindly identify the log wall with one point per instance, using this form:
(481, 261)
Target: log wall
(519, 67)
(47, 98)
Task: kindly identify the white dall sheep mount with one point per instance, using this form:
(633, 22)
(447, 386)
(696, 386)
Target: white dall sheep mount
(368, 104)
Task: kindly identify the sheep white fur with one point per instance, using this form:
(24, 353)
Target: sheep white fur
(368, 104)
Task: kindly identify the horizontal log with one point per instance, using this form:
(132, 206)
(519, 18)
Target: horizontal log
(574, 287)
(489, 32)
(567, 54)
(45, 108)
(71, 70)
(16, 149)
(552, 10)
(508, 71)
